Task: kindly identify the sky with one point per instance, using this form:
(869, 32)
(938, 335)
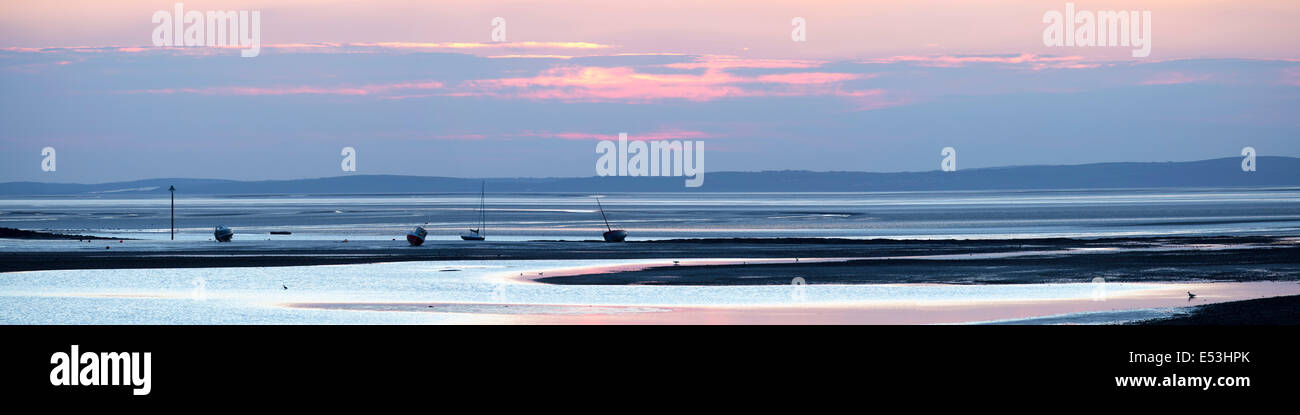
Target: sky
(423, 87)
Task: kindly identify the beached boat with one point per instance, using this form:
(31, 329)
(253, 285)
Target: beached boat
(223, 234)
(477, 234)
(615, 235)
(612, 235)
(416, 237)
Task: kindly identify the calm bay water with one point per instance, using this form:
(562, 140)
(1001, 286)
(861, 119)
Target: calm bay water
(257, 295)
(985, 214)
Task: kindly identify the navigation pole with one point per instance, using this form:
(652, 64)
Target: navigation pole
(173, 190)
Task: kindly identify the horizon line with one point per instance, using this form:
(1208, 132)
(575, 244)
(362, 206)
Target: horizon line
(597, 176)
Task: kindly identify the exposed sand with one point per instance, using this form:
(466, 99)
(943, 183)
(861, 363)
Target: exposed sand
(297, 253)
(1170, 296)
(1217, 269)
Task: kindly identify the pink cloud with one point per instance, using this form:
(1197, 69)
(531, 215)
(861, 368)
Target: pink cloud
(625, 84)
(479, 45)
(38, 67)
(668, 134)
(721, 62)
(872, 99)
(594, 83)
(1174, 78)
(329, 47)
(671, 134)
(242, 91)
(530, 56)
(948, 61)
(197, 50)
(1291, 76)
(607, 84)
(460, 136)
(296, 90)
(808, 78)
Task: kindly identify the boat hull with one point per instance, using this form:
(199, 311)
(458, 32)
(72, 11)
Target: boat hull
(223, 234)
(473, 237)
(416, 237)
(414, 240)
(615, 236)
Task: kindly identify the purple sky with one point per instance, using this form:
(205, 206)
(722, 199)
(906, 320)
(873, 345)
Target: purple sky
(420, 87)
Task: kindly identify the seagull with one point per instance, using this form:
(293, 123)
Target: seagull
(284, 286)
(1190, 296)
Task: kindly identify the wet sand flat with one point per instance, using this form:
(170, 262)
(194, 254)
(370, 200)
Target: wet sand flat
(889, 261)
(730, 281)
(1163, 300)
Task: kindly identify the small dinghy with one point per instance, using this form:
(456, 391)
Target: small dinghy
(223, 234)
(416, 237)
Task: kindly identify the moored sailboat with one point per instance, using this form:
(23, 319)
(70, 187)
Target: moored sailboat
(612, 235)
(477, 234)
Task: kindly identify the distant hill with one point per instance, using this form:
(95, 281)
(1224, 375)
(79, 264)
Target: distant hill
(1272, 171)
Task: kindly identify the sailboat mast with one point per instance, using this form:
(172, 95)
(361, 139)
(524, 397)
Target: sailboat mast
(482, 208)
(602, 215)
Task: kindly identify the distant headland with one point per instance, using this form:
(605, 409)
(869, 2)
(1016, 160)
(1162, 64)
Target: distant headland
(1223, 172)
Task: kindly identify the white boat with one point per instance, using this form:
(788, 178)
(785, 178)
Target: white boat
(416, 237)
(477, 234)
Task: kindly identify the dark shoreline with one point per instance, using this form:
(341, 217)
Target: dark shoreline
(1263, 311)
(1179, 258)
(11, 233)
